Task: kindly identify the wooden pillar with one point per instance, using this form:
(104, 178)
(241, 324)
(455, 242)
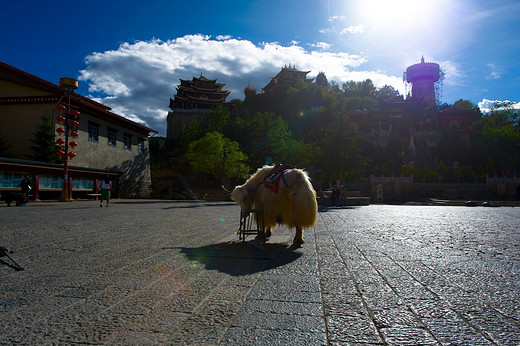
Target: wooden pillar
(70, 187)
(36, 187)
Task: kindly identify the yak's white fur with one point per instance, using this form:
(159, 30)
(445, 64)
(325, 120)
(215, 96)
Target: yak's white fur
(293, 205)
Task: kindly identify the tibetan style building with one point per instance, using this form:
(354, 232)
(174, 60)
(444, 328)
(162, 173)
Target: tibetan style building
(285, 78)
(193, 98)
(105, 143)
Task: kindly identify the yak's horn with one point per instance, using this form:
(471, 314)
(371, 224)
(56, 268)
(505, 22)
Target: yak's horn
(224, 188)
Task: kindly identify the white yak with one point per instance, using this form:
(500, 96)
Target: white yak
(285, 195)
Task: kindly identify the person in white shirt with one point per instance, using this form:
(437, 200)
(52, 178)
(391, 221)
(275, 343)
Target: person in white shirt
(105, 187)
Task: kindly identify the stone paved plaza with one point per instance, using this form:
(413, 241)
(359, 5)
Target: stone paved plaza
(174, 272)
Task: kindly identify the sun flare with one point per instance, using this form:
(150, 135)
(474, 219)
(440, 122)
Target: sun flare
(394, 14)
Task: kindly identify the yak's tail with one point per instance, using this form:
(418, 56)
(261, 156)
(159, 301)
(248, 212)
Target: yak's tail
(305, 204)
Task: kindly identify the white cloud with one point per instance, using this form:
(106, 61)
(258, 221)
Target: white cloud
(138, 79)
(487, 105)
(453, 73)
(321, 45)
(335, 18)
(353, 29)
(223, 37)
(495, 72)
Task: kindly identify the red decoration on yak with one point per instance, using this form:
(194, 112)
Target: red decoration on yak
(60, 141)
(73, 144)
(74, 134)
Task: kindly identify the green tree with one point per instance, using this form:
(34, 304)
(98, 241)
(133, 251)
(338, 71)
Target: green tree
(321, 79)
(442, 171)
(5, 148)
(464, 104)
(500, 131)
(44, 146)
(466, 174)
(218, 156)
(338, 155)
(388, 93)
(213, 120)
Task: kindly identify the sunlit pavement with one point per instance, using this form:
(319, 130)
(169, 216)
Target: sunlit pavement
(172, 272)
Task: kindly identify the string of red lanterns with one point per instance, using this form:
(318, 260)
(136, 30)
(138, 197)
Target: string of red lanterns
(73, 125)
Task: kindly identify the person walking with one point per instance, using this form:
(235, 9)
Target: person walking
(25, 185)
(106, 187)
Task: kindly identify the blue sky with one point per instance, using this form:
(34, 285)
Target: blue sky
(131, 55)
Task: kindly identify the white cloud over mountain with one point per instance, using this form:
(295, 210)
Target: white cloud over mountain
(138, 78)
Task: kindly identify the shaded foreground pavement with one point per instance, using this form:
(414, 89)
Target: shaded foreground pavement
(173, 272)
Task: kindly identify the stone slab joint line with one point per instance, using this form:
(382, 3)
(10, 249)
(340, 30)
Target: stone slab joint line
(324, 314)
(356, 285)
(498, 311)
(385, 280)
(446, 302)
(241, 308)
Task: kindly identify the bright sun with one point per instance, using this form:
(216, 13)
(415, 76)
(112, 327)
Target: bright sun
(395, 14)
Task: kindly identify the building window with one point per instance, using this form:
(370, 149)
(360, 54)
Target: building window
(93, 132)
(50, 181)
(83, 184)
(111, 137)
(8, 179)
(140, 145)
(127, 141)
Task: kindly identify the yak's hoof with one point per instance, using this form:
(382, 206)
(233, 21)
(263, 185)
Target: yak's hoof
(268, 233)
(298, 241)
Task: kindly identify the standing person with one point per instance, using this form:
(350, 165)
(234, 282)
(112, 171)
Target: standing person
(25, 185)
(335, 195)
(106, 187)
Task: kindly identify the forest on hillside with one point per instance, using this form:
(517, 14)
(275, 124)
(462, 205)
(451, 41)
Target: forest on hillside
(307, 125)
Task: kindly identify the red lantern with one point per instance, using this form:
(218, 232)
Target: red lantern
(60, 108)
(60, 119)
(72, 155)
(60, 153)
(74, 123)
(60, 130)
(60, 141)
(74, 134)
(73, 144)
(75, 114)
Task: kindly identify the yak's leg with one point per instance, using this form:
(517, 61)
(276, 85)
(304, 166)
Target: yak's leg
(267, 233)
(298, 238)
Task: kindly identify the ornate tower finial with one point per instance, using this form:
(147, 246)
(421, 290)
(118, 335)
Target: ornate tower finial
(422, 59)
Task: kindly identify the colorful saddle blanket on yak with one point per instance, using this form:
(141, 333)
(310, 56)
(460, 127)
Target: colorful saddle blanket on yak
(272, 180)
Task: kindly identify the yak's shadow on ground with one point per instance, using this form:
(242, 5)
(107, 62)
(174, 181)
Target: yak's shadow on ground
(241, 258)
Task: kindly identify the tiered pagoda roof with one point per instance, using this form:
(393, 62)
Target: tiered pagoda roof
(286, 77)
(199, 93)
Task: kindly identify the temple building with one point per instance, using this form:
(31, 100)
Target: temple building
(285, 78)
(101, 142)
(192, 100)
